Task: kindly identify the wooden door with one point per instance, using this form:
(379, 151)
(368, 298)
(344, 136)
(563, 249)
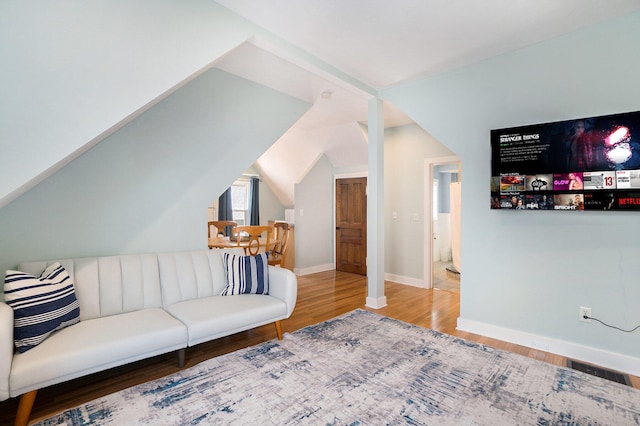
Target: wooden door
(351, 225)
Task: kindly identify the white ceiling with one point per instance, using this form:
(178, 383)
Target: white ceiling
(381, 43)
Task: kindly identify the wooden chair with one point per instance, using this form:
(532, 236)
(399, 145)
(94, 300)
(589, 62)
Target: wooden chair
(221, 227)
(281, 233)
(253, 243)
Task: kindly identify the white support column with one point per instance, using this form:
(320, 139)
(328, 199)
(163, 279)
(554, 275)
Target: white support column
(375, 207)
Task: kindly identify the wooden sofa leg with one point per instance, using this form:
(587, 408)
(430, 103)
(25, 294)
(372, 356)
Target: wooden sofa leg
(279, 329)
(24, 408)
(181, 357)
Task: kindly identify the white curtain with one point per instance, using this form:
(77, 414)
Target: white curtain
(455, 198)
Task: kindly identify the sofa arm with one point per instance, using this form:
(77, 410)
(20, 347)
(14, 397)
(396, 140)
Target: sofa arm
(6, 348)
(283, 284)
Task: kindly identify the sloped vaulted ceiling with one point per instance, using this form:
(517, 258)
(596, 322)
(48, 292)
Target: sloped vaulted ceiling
(381, 44)
(74, 72)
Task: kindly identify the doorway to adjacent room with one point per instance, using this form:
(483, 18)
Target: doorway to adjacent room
(442, 223)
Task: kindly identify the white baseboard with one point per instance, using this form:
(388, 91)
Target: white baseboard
(415, 282)
(600, 357)
(314, 269)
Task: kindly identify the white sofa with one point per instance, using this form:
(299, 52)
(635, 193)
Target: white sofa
(134, 307)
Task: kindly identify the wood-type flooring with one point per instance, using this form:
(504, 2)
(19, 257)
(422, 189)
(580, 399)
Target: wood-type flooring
(321, 296)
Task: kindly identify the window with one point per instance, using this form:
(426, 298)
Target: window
(240, 202)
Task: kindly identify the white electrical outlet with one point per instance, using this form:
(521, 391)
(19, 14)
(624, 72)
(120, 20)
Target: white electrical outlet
(584, 312)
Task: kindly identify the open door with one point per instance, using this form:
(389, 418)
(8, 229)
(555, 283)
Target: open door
(437, 230)
(351, 225)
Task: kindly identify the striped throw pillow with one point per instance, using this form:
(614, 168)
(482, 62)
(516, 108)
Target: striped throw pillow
(246, 274)
(40, 305)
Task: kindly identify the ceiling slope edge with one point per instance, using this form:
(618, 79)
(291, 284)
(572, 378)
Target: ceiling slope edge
(6, 199)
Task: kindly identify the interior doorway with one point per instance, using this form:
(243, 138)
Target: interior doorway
(442, 183)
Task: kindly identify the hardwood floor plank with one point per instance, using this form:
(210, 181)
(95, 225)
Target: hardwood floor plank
(321, 297)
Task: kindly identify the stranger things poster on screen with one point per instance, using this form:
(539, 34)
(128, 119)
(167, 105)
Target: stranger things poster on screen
(582, 164)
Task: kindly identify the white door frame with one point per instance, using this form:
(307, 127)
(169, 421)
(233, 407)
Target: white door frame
(429, 163)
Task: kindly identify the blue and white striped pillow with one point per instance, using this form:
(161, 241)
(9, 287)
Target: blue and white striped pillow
(40, 305)
(246, 274)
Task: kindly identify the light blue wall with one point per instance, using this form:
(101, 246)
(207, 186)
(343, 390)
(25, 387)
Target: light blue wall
(531, 272)
(314, 229)
(147, 187)
(270, 207)
(71, 70)
(406, 147)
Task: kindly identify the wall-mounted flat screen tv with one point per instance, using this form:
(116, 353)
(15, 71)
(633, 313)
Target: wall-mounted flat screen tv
(583, 164)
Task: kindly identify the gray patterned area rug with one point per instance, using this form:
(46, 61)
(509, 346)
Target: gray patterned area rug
(366, 369)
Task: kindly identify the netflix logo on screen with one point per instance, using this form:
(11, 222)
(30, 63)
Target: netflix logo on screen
(629, 201)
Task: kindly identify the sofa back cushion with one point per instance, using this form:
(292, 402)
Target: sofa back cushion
(110, 285)
(191, 275)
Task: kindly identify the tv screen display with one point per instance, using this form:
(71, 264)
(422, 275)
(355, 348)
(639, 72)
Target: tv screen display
(583, 164)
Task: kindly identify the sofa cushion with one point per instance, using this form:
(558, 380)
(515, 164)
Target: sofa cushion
(96, 345)
(191, 275)
(41, 305)
(212, 317)
(110, 285)
(246, 274)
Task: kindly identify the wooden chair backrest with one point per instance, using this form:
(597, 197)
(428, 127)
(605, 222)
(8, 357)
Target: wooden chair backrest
(220, 225)
(281, 236)
(253, 246)
(281, 233)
